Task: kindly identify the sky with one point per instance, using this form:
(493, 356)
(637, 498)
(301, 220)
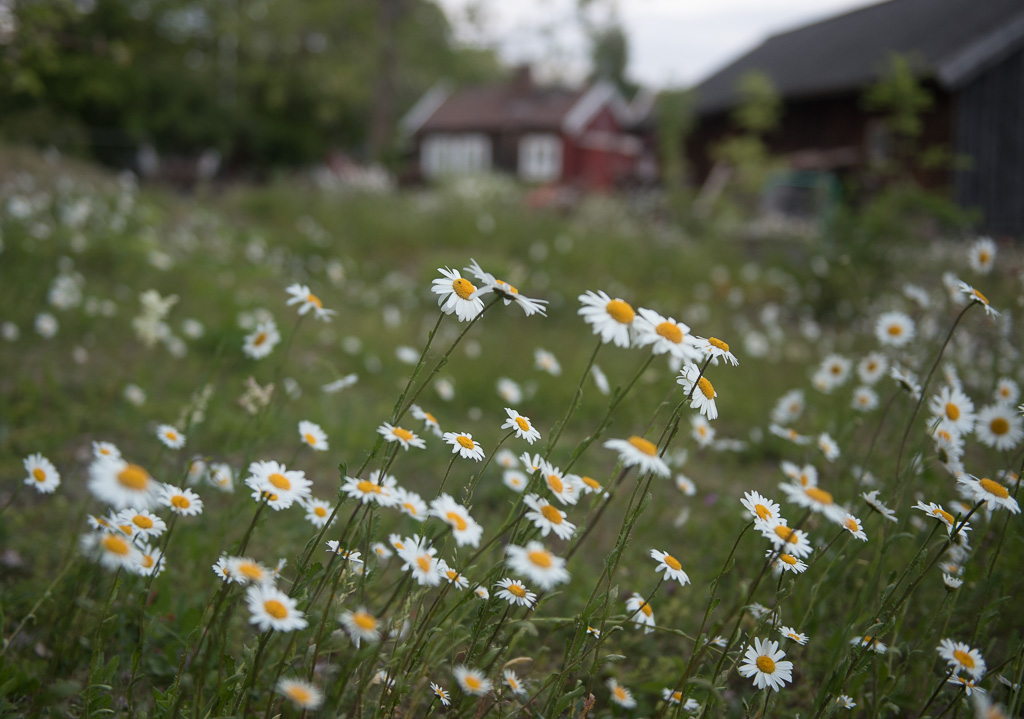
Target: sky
(671, 42)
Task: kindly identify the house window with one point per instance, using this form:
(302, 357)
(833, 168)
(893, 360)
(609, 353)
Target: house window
(455, 154)
(540, 158)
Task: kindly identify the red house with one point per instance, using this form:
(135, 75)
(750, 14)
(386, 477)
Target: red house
(548, 135)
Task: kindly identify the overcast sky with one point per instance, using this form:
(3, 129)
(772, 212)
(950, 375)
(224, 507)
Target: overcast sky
(671, 42)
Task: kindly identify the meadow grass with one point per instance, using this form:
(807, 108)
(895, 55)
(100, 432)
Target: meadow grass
(95, 351)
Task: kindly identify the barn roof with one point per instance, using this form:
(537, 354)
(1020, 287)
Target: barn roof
(950, 40)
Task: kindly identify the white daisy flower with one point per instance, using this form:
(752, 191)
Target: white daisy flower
(465, 529)
(271, 608)
(981, 255)
(262, 340)
(360, 625)
(514, 480)
(854, 527)
(538, 564)
(515, 593)
(151, 561)
(113, 550)
(894, 329)
(404, 437)
(612, 319)
(170, 436)
(41, 474)
(869, 642)
(783, 562)
(790, 434)
(828, 447)
(715, 349)
(1007, 391)
(872, 367)
(411, 504)
(785, 538)
(789, 407)
(140, 523)
(686, 485)
(989, 491)
(120, 484)
(641, 453)
(702, 394)
(643, 615)
(377, 490)
(452, 575)
(317, 511)
(420, 561)
(546, 362)
(513, 682)
(962, 658)
(244, 571)
(521, 425)
(701, 431)
(312, 434)
(281, 487)
(760, 507)
(456, 295)
(488, 284)
(876, 504)
(665, 335)
(764, 662)
(814, 498)
(620, 695)
(975, 296)
(792, 634)
(864, 399)
(105, 450)
(671, 566)
(464, 444)
(301, 693)
(302, 296)
(999, 427)
(565, 487)
(833, 372)
(548, 518)
(222, 477)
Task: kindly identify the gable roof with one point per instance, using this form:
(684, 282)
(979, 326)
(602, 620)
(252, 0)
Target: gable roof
(951, 40)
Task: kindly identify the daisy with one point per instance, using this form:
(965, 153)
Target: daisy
(151, 561)
(521, 425)
(120, 484)
(302, 296)
(937, 512)
(170, 436)
(262, 340)
(961, 658)
(273, 609)
(481, 592)
(301, 693)
(456, 294)
(340, 384)
(612, 319)
(872, 367)
(785, 538)
(403, 436)
(509, 390)
(643, 615)
(313, 435)
(790, 633)
(620, 695)
(420, 561)
(411, 504)
(907, 381)
(532, 462)
(546, 362)
(197, 470)
(701, 430)
(488, 284)
(789, 433)
(594, 632)
(828, 447)
(969, 685)
(671, 566)
(442, 694)
(816, 499)
(981, 255)
(513, 682)
(471, 681)
(864, 399)
(782, 562)
(807, 475)
(641, 453)
(685, 485)
(41, 474)
(876, 504)
(452, 575)
(833, 372)
(600, 379)
(360, 625)
(975, 296)
(763, 662)
(715, 349)
(846, 702)
(869, 642)
(280, 486)
(222, 477)
(854, 527)
(372, 490)
(665, 336)
(244, 570)
(537, 564)
(222, 570)
(112, 550)
(894, 329)
(382, 551)
(789, 407)
(999, 427)
(548, 518)
(317, 511)
(952, 583)
(760, 507)
(506, 459)
(514, 480)
(1007, 391)
(349, 555)
(563, 486)
(465, 529)
(515, 592)
(699, 390)
(141, 523)
(105, 450)
(464, 444)
(989, 491)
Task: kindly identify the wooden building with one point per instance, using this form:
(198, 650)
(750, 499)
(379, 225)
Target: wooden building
(968, 53)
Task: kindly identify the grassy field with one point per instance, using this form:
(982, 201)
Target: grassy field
(84, 361)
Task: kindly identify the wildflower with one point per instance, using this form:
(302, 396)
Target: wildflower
(907, 381)
(686, 485)
(952, 583)
(970, 686)
(488, 284)
(521, 425)
(457, 295)
(846, 702)
(789, 407)
(547, 518)
(763, 662)
(937, 512)
(404, 437)
(833, 372)
(854, 527)
(105, 450)
(698, 388)
(464, 444)
(782, 562)
(894, 329)
(506, 458)
(472, 681)
(620, 695)
(828, 447)
(975, 296)
(600, 379)
(872, 499)
(273, 609)
(989, 491)
(643, 615)
(465, 529)
(869, 642)
(317, 511)
(120, 484)
(676, 697)
(981, 255)
(313, 435)
(1007, 391)
(790, 633)
(514, 480)
(452, 575)
(280, 486)
(701, 430)
(377, 490)
(302, 296)
(41, 474)
(360, 625)
(222, 570)
(814, 498)
(563, 486)
(639, 452)
(546, 362)
(140, 523)
(301, 693)
(170, 436)
(864, 399)
(340, 384)
(671, 566)
(513, 682)
(537, 564)
(789, 540)
(262, 341)
(222, 477)
(714, 349)
(481, 592)
(594, 632)
(151, 561)
(999, 427)
(420, 561)
(872, 367)
(409, 503)
(509, 390)
(243, 570)
(665, 336)
(806, 475)
(612, 319)
(515, 592)
(112, 550)
(442, 694)
(46, 325)
(760, 507)
(349, 555)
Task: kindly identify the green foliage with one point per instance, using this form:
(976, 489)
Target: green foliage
(760, 106)
(900, 97)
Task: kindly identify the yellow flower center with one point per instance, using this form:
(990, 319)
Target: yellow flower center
(851, 524)
(465, 442)
(180, 501)
(126, 528)
(646, 609)
(473, 682)
(517, 589)
(983, 257)
(872, 366)
(994, 488)
(275, 609)
(142, 522)
(403, 434)
(540, 557)
(895, 330)
(964, 658)
(620, 311)
(677, 696)
(506, 286)
(620, 694)
(299, 695)
(319, 511)
(591, 482)
(642, 445)
(409, 507)
(365, 621)
(765, 664)
(835, 369)
(999, 425)
(313, 299)
(463, 288)
(39, 474)
(116, 545)
(672, 562)
(555, 483)
(367, 487)
(522, 424)
(788, 559)
(818, 495)
(787, 534)
(133, 477)
(979, 297)
(260, 339)
(147, 561)
(423, 562)
(279, 481)
(551, 514)
(943, 514)
(431, 419)
(457, 522)
(705, 387)
(762, 511)
(952, 411)
(718, 343)
(310, 439)
(670, 331)
(251, 571)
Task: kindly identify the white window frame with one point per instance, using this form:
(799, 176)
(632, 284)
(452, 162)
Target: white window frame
(455, 154)
(540, 157)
